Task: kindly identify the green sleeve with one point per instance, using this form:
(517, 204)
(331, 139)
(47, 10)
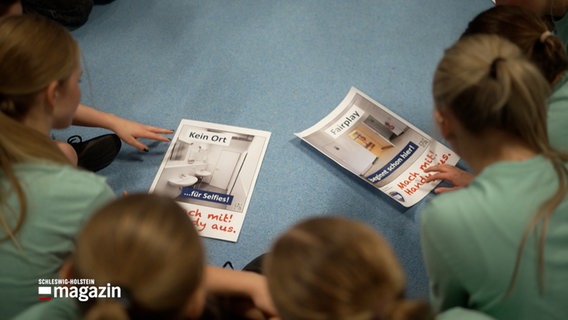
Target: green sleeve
(462, 314)
(437, 233)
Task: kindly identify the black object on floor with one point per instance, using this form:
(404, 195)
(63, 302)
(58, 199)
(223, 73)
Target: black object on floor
(70, 13)
(97, 153)
(256, 264)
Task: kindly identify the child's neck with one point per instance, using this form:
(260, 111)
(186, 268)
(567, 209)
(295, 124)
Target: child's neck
(489, 148)
(38, 119)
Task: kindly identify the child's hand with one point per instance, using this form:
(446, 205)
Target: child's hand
(130, 131)
(261, 296)
(457, 177)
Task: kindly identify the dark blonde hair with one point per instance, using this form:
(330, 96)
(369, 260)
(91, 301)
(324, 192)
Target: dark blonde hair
(33, 53)
(147, 245)
(488, 83)
(336, 268)
(528, 31)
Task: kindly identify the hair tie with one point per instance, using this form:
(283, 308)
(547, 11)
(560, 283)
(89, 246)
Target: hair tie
(493, 67)
(545, 36)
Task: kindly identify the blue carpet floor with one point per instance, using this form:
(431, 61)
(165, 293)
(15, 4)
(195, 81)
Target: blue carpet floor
(278, 66)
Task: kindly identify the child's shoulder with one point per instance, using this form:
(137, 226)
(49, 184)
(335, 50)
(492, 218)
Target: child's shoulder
(63, 309)
(462, 314)
(54, 179)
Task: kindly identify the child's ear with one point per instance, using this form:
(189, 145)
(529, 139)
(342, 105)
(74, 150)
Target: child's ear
(66, 270)
(445, 123)
(52, 93)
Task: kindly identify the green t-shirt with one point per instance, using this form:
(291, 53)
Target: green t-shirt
(561, 26)
(59, 309)
(470, 239)
(459, 314)
(59, 200)
(558, 115)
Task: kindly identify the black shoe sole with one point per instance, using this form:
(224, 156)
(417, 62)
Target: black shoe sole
(97, 153)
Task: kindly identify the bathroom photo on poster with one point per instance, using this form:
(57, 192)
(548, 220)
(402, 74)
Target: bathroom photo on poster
(210, 170)
(371, 141)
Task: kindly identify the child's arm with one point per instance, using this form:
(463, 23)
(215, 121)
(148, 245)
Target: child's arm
(128, 131)
(232, 282)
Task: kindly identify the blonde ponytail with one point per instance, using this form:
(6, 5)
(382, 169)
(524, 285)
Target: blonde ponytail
(21, 144)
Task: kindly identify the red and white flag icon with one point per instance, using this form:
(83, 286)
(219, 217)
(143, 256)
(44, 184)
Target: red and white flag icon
(44, 291)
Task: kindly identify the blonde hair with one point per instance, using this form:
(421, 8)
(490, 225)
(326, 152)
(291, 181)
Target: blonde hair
(146, 244)
(488, 83)
(336, 268)
(33, 53)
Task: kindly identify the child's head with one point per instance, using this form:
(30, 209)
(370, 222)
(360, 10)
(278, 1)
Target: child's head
(527, 30)
(39, 60)
(486, 83)
(540, 7)
(148, 246)
(335, 268)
